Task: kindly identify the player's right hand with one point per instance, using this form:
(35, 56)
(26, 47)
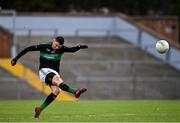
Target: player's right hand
(13, 61)
(83, 46)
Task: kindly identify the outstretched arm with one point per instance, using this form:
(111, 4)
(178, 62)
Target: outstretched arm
(74, 49)
(23, 52)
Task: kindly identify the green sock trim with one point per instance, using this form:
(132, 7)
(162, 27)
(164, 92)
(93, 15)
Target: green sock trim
(71, 90)
(44, 105)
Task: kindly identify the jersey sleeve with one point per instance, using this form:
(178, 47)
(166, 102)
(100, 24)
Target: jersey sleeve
(30, 48)
(71, 49)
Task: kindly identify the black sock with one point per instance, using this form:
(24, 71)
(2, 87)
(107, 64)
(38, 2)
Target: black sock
(65, 87)
(48, 100)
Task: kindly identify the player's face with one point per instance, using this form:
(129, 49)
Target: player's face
(56, 45)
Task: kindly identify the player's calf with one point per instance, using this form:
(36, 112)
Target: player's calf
(51, 97)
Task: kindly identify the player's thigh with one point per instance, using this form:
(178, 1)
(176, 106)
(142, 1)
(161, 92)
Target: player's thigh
(55, 89)
(57, 80)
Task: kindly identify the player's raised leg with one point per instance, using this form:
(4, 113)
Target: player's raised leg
(57, 80)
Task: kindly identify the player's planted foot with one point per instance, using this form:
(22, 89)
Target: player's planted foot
(78, 92)
(37, 112)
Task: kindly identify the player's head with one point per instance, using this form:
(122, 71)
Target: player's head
(57, 42)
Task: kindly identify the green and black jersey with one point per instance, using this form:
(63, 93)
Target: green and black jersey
(49, 58)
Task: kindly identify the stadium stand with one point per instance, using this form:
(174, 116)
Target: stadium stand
(111, 69)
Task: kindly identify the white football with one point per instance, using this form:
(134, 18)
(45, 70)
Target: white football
(162, 46)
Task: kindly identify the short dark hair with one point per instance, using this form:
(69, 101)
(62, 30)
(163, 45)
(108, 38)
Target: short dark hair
(60, 40)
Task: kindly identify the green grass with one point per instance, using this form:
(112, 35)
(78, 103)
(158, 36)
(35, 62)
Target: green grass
(93, 111)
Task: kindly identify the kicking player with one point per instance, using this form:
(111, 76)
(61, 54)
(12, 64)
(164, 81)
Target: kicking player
(50, 56)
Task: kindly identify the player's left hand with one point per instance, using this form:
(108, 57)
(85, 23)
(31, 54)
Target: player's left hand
(83, 46)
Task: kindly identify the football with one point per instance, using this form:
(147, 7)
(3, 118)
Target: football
(162, 46)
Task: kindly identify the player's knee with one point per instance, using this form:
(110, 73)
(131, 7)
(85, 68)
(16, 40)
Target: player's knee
(57, 80)
(56, 91)
(49, 78)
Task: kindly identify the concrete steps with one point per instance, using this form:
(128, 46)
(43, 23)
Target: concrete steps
(107, 71)
(15, 88)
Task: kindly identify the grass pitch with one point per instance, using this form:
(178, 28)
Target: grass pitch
(93, 111)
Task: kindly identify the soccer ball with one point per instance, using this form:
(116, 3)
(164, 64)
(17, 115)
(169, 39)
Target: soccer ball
(162, 46)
